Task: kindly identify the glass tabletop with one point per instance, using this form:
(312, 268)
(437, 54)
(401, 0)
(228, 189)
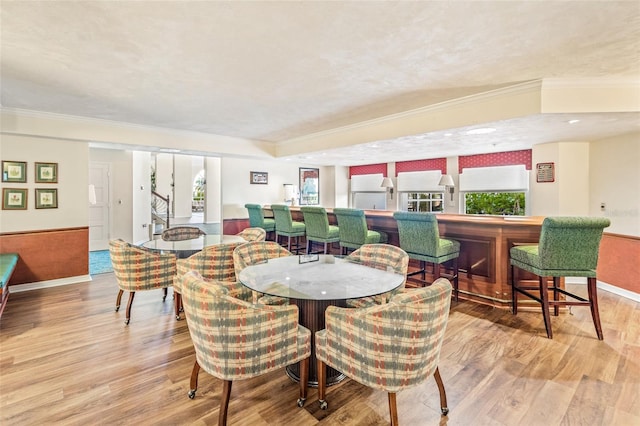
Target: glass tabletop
(192, 245)
(318, 277)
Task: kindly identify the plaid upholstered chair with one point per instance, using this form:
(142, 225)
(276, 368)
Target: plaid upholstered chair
(138, 269)
(390, 347)
(286, 226)
(253, 234)
(379, 256)
(255, 252)
(420, 238)
(568, 247)
(212, 263)
(318, 228)
(179, 233)
(354, 231)
(257, 219)
(235, 340)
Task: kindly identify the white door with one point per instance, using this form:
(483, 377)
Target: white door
(99, 175)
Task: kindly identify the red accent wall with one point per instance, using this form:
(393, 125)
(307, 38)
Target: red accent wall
(422, 165)
(368, 169)
(510, 158)
(618, 261)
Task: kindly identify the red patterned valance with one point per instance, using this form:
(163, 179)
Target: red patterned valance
(422, 165)
(369, 169)
(510, 158)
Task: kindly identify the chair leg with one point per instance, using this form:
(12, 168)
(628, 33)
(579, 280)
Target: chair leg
(436, 271)
(193, 385)
(165, 291)
(455, 278)
(131, 295)
(544, 297)
(224, 403)
(322, 385)
(592, 288)
(556, 296)
(177, 304)
(119, 299)
(304, 378)
(514, 293)
(423, 266)
(309, 246)
(289, 243)
(325, 248)
(393, 408)
(444, 408)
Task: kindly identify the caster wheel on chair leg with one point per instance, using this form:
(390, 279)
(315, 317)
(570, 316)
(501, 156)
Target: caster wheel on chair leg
(301, 402)
(192, 393)
(444, 410)
(323, 404)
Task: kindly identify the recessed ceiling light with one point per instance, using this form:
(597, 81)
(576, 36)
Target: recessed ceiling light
(573, 121)
(169, 150)
(448, 134)
(481, 131)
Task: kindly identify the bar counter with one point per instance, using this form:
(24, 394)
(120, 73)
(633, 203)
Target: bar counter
(484, 271)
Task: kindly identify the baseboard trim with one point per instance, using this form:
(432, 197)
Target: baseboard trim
(16, 288)
(619, 291)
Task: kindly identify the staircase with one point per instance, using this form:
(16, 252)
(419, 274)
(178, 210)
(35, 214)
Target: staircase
(160, 212)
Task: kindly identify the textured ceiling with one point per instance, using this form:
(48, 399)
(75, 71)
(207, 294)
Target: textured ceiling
(275, 71)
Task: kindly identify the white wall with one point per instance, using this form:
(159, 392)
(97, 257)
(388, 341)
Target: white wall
(141, 196)
(183, 185)
(614, 164)
(73, 182)
(213, 197)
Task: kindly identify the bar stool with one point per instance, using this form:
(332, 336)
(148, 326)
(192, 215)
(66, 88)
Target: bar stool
(318, 228)
(420, 238)
(257, 219)
(568, 247)
(354, 231)
(287, 227)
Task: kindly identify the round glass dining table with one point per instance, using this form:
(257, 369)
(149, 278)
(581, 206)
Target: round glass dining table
(185, 248)
(314, 282)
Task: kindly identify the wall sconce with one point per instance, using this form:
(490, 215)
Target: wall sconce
(388, 183)
(447, 182)
(92, 195)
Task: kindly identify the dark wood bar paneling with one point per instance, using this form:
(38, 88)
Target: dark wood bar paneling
(48, 254)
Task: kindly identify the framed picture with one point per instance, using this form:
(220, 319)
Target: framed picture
(259, 177)
(46, 172)
(46, 198)
(14, 171)
(14, 199)
(545, 172)
(309, 186)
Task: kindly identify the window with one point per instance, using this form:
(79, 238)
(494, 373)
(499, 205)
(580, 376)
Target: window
(496, 203)
(197, 204)
(423, 201)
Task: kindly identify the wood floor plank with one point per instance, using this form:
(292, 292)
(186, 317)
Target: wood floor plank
(66, 357)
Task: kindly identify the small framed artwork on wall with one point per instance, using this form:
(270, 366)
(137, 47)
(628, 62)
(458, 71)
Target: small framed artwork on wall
(14, 171)
(14, 199)
(46, 172)
(259, 178)
(46, 198)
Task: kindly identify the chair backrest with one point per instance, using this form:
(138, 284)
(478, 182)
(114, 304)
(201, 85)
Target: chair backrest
(316, 221)
(412, 327)
(179, 233)
(256, 215)
(253, 234)
(352, 224)
(571, 243)
(212, 263)
(282, 216)
(418, 232)
(234, 339)
(136, 268)
(382, 256)
(255, 252)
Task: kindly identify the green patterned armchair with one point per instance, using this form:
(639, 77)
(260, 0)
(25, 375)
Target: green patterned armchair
(253, 234)
(179, 233)
(257, 219)
(379, 256)
(255, 252)
(286, 226)
(420, 238)
(236, 340)
(354, 231)
(390, 347)
(138, 269)
(568, 247)
(212, 263)
(318, 228)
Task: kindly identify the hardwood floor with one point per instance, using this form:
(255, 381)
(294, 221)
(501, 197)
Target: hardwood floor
(67, 358)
